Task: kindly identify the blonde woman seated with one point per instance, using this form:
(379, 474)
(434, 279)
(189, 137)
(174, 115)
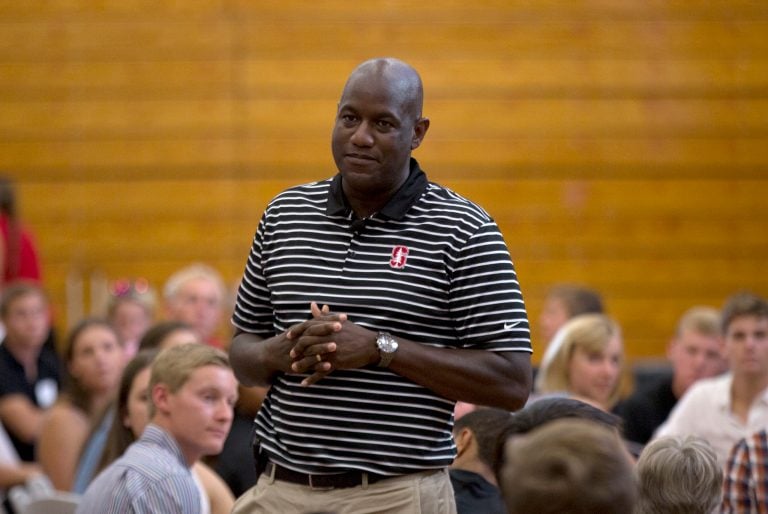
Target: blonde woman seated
(585, 363)
(95, 361)
(133, 415)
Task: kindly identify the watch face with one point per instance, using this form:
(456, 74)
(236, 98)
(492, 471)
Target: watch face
(387, 347)
(386, 343)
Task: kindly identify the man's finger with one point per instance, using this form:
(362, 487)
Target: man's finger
(315, 377)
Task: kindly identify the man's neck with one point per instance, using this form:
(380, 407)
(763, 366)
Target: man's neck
(190, 457)
(744, 391)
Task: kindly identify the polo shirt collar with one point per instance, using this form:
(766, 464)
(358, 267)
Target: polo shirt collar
(397, 206)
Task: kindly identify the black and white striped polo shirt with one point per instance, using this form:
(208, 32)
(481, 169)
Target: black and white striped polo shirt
(431, 267)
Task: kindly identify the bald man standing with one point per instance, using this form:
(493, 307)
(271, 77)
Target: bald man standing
(371, 302)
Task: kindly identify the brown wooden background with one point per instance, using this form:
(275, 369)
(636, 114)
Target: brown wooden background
(619, 144)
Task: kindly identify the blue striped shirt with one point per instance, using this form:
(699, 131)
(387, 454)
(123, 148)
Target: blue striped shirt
(431, 267)
(151, 477)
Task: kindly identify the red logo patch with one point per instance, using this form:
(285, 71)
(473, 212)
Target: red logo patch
(399, 256)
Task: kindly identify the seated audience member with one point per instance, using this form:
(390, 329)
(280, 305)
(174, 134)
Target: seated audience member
(131, 412)
(727, 408)
(694, 353)
(192, 394)
(543, 411)
(131, 310)
(132, 416)
(745, 488)
(587, 365)
(238, 473)
(196, 295)
(563, 302)
(29, 372)
(678, 475)
(568, 465)
(472, 472)
(94, 362)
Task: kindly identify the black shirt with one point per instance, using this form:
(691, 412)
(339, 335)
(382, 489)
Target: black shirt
(42, 392)
(474, 494)
(646, 409)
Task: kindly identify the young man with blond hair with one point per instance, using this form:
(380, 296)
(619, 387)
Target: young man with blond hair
(694, 353)
(192, 394)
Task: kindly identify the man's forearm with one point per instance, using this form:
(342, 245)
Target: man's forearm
(496, 379)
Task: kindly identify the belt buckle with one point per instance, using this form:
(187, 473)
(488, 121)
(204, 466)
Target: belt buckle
(318, 488)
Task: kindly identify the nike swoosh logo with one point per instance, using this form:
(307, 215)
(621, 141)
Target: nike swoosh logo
(510, 326)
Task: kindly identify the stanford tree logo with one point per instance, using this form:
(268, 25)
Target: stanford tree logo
(399, 256)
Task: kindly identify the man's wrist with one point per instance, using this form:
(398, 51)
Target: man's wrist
(387, 346)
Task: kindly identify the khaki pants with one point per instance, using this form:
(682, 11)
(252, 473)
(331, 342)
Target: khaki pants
(419, 493)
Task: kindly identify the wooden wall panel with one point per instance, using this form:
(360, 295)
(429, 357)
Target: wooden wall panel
(452, 119)
(618, 144)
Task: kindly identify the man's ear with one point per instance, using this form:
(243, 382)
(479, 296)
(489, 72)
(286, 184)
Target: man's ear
(419, 131)
(463, 440)
(160, 397)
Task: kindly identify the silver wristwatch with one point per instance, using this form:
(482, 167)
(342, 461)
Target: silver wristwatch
(387, 347)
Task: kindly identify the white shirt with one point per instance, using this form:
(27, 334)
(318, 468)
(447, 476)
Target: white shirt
(705, 411)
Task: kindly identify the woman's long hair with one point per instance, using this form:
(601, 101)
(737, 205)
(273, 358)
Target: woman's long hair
(121, 437)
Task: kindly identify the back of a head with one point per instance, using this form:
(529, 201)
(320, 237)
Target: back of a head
(486, 424)
(578, 299)
(545, 410)
(542, 411)
(155, 338)
(678, 475)
(568, 466)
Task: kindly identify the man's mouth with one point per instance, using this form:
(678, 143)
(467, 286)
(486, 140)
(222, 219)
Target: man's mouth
(360, 157)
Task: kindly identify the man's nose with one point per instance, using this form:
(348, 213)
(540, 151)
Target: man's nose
(224, 412)
(362, 135)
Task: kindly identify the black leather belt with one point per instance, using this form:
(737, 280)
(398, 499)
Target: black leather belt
(334, 481)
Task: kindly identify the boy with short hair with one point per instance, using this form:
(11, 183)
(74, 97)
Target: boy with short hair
(30, 374)
(192, 394)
